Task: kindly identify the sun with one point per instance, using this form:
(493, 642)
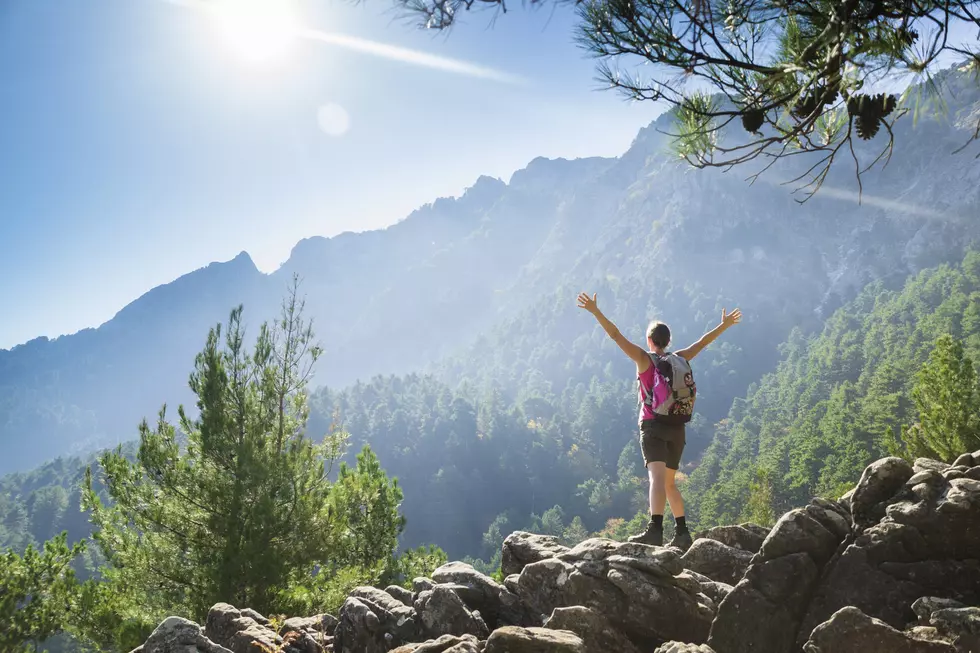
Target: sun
(257, 31)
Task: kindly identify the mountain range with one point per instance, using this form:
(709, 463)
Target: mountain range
(481, 289)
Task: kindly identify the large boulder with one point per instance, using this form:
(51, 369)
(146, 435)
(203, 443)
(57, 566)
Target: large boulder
(763, 611)
(176, 635)
(851, 631)
(717, 561)
(641, 589)
(400, 594)
(239, 630)
(397, 619)
(925, 545)
(879, 482)
(365, 627)
(514, 639)
(497, 605)
(320, 623)
(961, 625)
(521, 549)
(596, 632)
(683, 647)
(747, 537)
(441, 612)
(444, 644)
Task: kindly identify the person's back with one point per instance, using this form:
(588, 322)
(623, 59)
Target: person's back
(666, 394)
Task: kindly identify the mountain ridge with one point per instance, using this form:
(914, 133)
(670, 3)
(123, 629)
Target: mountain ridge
(491, 276)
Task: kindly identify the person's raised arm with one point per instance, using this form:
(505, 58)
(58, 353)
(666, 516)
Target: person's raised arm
(727, 320)
(637, 354)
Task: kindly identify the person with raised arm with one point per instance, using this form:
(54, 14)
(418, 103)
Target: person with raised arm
(666, 394)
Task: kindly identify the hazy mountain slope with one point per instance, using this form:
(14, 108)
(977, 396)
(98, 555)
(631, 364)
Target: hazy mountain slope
(90, 389)
(494, 273)
(680, 244)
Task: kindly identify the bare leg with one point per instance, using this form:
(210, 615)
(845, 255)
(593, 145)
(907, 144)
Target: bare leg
(657, 471)
(673, 494)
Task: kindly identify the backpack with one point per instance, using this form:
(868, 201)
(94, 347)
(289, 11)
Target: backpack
(673, 396)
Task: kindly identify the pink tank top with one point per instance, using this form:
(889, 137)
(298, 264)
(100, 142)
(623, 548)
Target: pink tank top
(651, 384)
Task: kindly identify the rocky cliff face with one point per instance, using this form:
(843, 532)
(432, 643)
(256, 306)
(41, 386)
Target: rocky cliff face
(890, 567)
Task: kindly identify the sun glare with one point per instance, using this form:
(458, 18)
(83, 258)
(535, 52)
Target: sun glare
(257, 31)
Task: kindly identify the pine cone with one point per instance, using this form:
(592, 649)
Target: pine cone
(752, 120)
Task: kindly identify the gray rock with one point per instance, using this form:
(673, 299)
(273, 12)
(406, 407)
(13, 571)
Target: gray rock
(441, 612)
(763, 611)
(498, 605)
(926, 476)
(513, 639)
(922, 464)
(237, 631)
(748, 622)
(381, 599)
(965, 460)
(746, 537)
(798, 532)
(400, 594)
(717, 561)
(359, 629)
(925, 606)
(851, 631)
(879, 482)
(831, 516)
(321, 623)
(626, 583)
(444, 644)
(255, 616)
(420, 584)
(642, 555)
(598, 635)
(961, 625)
(521, 549)
(786, 580)
(176, 635)
(681, 647)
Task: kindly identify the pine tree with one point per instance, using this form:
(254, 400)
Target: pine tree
(37, 591)
(575, 532)
(759, 508)
(947, 397)
(234, 506)
(366, 502)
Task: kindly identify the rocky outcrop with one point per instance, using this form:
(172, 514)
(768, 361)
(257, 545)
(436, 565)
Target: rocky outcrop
(763, 612)
(926, 545)
(683, 647)
(513, 639)
(745, 537)
(240, 631)
(851, 631)
(719, 562)
(498, 605)
(598, 635)
(642, 590)
(444, 644)
(521, 549)
(894, 567)
(176, 635)
(442, 612)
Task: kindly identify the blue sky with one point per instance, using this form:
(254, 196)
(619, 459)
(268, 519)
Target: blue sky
(137, 146)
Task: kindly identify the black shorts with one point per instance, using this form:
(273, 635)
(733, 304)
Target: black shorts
(662, 442)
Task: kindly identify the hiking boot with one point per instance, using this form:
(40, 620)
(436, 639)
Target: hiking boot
(682, 541)
(654, 535)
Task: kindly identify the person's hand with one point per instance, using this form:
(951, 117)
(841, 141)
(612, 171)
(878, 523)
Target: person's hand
(588, 303)
(728, 319)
